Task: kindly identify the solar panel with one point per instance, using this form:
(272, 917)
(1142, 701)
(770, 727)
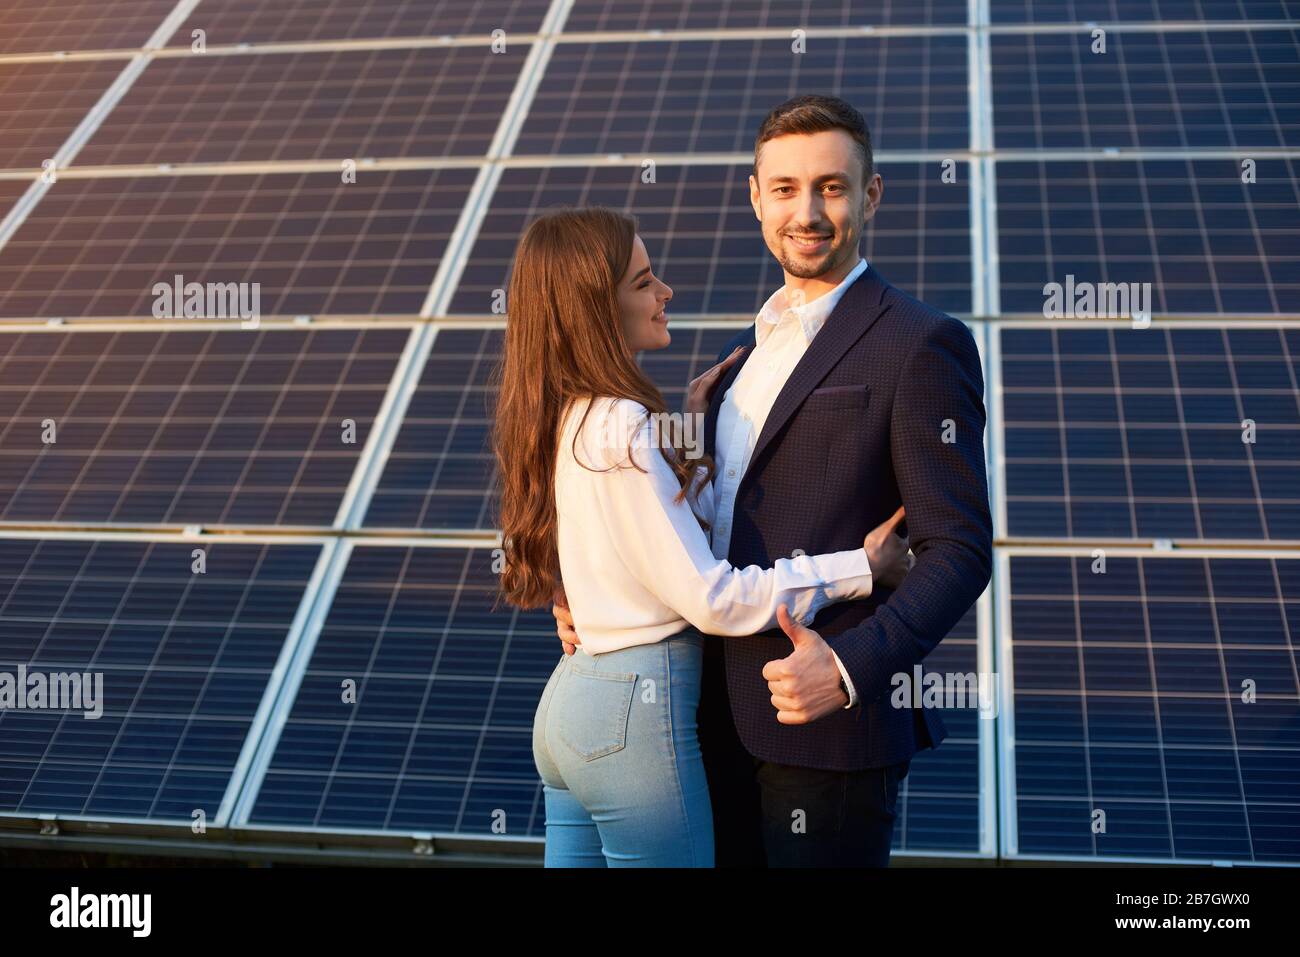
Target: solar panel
(1206, 241)
(1155, 708)
(181, 427)
(1114, 11)
(296, 21)
(607, 15)
(314, 244)
(681, 96)
(42, 103)
(1227, 88)
(939, 801)
(703, 239)
(1124, 433)
(183, 660)
(438, 735)
(440, 473)
(319, 105)
(47, 26)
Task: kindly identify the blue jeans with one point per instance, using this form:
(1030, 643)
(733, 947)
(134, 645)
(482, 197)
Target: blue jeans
(615, 743)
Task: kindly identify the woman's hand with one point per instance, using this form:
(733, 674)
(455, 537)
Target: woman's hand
(700, 390)
(887, 552)
(564, 620)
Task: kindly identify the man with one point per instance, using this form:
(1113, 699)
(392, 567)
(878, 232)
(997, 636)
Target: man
(850, 400)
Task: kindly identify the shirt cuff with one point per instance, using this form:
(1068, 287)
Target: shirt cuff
(848, 682)
(846, 575)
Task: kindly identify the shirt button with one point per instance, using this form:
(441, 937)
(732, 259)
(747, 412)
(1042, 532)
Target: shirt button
(731, 471)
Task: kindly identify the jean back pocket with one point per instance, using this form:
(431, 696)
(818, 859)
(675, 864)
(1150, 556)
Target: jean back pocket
(592, 717)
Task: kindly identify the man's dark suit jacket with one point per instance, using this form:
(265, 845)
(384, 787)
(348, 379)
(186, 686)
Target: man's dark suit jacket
(859, 429)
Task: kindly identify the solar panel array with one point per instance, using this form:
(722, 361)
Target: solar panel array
(272, 529)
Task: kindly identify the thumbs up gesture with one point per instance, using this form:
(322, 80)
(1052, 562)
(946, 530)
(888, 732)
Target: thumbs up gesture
(805, 684)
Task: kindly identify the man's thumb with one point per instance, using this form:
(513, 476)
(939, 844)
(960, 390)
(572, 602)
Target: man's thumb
(796, 632)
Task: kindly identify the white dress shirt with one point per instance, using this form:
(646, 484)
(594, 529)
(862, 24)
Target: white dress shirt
(636, 565)
(782, 332)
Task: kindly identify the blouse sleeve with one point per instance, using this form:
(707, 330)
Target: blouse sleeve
(663, 546)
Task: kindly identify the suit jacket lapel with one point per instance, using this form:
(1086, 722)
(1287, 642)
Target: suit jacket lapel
(858, 308)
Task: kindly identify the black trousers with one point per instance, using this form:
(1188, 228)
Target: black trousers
(777, 815)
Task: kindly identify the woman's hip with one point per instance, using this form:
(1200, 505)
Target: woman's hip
(605, 713)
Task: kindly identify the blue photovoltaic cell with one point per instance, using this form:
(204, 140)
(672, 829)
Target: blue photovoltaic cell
(589, 15)
(1129, 688)
(10, 191)
(700, 96)
(48, 26)
(440, 736)
(296, 21)
(699, 229)
(331, 104)
(1179, 90)
(440, 473)
(939, 801)
(313, 243)
(185, 659)
(42, 103)
(187, 427)
(1206, 241)
(1137, 433)
(1119, 11)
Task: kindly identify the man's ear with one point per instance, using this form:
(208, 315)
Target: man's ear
(753, 198)
(871, 197)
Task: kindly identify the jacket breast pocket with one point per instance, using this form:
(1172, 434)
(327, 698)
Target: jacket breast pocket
(847, 397)
(594, 711)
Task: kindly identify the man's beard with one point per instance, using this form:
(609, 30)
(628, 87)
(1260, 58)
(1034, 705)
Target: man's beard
(807, 268)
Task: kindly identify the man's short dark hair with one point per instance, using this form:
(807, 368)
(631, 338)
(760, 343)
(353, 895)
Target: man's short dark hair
(814, 114)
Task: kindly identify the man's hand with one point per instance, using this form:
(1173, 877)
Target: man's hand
(806, 685)
(564, 621)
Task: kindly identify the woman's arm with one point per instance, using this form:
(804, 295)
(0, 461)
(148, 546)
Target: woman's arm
(662, 544)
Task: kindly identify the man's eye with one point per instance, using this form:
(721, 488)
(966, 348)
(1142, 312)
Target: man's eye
(782, 189)
(836, 187)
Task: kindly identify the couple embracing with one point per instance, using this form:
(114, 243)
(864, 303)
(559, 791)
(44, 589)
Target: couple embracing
(732, 617)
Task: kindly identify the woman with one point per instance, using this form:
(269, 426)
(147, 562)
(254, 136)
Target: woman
(598, 492)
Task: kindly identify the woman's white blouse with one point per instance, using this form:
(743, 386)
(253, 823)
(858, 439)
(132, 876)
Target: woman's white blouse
(636, 565)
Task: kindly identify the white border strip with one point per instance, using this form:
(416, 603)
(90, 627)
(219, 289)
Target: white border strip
(659, 36)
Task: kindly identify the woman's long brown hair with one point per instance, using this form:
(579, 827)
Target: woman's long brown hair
(564, 340)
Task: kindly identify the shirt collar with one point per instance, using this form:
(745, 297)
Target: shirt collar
(810, 315)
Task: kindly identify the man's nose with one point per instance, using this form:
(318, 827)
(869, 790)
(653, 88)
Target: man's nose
(809, 213)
